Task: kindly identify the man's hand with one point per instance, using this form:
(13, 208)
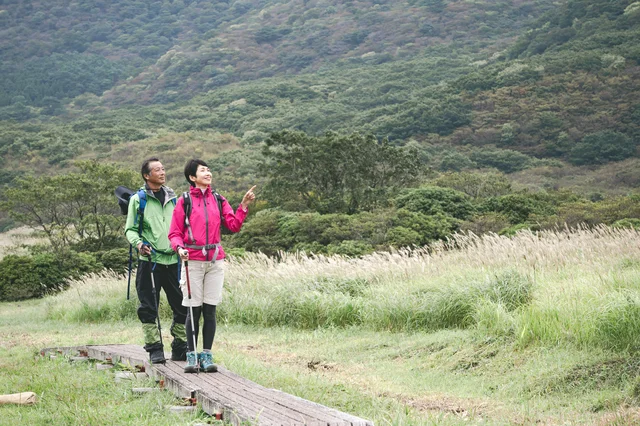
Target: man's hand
(248, 198)
(143, 249)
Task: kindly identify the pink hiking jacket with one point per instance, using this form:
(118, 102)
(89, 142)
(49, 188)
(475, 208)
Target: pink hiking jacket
(205, 223)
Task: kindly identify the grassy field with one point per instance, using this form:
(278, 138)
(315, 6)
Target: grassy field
(535, 329)
(17, 240)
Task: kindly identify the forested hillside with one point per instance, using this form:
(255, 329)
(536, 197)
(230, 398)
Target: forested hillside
(508, 114)
(157, 52)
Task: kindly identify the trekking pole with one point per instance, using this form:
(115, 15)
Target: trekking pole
(129, 279)
(193, 328)
(155, 298)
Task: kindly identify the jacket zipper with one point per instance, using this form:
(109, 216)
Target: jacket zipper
(206, 225)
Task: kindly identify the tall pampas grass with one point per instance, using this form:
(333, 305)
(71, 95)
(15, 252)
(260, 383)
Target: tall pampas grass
(566, 286)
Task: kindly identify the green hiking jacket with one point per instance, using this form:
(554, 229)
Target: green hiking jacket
(155, 228)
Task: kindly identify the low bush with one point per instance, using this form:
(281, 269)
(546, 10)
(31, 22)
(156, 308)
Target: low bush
(117, 260)
(26, 277)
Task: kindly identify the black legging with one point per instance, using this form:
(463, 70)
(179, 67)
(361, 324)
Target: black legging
(208, 328)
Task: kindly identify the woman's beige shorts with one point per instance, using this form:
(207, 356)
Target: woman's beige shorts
(205, 279)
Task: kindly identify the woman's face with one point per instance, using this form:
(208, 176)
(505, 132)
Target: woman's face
(203, 177)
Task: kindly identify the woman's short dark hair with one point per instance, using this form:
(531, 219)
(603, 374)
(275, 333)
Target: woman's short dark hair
(145, 169)
(191, 168)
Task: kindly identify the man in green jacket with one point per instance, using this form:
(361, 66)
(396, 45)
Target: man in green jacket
(156, 257)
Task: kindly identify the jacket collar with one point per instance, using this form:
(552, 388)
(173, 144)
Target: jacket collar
(169, 193)
(196, 192)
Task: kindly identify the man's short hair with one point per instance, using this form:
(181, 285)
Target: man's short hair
(191, 168)
(145, 169)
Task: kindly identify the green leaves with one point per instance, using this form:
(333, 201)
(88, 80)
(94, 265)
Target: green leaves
(336, 173)
(602, 147)
(433, 200)
(26, 277)
(70, 207)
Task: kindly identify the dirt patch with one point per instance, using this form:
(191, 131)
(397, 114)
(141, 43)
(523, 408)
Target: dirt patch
(465, 408)
(319, 365)
(623, 416)
(448, 405)
(459, 407)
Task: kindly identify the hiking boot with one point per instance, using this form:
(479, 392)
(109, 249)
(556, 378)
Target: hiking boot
(179, 352)
(157, 356)
(178, 356)
(206, 362)
(192, 363)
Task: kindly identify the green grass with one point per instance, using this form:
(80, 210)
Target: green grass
(71, 393)
(538, 328)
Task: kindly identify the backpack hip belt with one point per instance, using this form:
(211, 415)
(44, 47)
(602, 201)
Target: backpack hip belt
(205, 249)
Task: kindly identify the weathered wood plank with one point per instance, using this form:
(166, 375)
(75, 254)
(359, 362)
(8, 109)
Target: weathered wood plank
(238, 399)
(225, 383)
(242, 401)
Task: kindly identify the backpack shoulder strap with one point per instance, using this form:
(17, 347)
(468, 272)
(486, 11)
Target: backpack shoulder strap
(186, 199)
(186, 205)
(219, 200)
(142, 197)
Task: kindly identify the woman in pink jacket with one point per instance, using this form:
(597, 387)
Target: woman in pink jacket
(195, 235)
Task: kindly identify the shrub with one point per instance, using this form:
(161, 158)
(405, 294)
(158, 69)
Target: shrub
(485, 223)
(432, 200)
(26, 277)
(455, 161)
(273, 231)
(426, 227)
(476, 185)
(400, 236)
(518, 207)
(627, 223)
(505, 160)
(116, 259)
(602, 147)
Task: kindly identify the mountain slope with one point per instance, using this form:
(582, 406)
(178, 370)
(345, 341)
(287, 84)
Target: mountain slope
(465, 82)
(166, 51)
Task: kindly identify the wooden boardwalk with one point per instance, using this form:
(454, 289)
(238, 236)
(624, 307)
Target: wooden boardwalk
(234, 398)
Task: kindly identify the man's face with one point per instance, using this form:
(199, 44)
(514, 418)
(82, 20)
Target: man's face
(156, 174)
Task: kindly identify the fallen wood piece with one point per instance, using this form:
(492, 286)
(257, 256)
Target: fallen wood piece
(23, 398)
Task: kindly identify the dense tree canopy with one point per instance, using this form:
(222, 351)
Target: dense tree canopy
(336, 173)
(71, 208)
